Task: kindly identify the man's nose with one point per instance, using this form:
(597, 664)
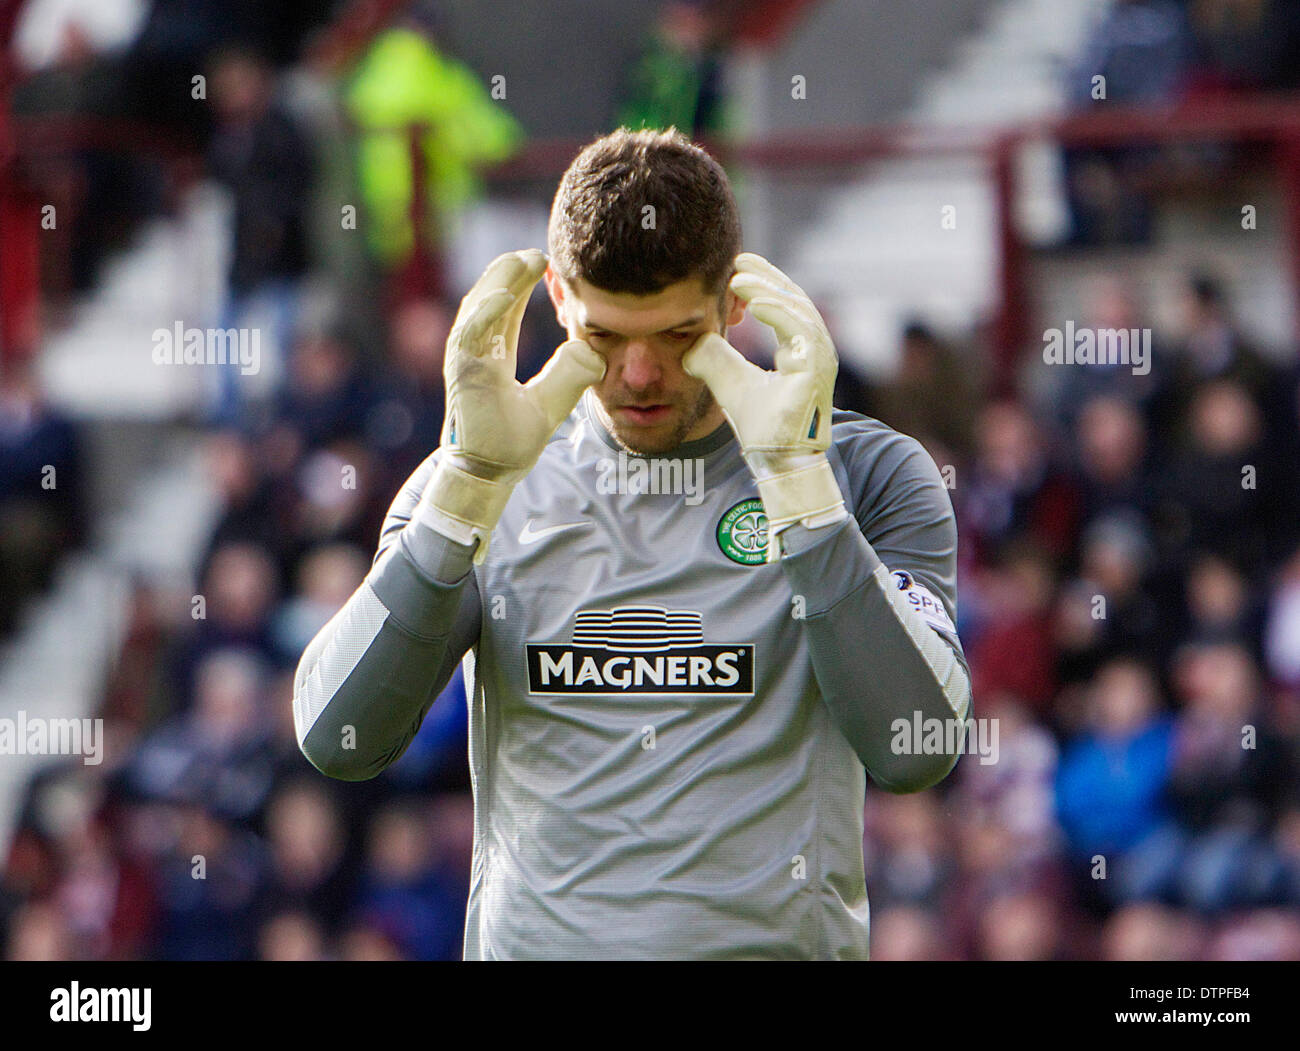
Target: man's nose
(640, 365)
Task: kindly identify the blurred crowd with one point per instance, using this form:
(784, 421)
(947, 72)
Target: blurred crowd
(1129, 590)
(1129, 600)
(205, 834)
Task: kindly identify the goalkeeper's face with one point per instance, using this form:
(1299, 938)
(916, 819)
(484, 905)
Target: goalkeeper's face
(647, 400)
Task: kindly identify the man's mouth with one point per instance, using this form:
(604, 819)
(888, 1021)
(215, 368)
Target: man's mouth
(645, 415)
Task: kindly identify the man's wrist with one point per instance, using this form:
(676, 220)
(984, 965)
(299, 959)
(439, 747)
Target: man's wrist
(796, 488)
(463, 507)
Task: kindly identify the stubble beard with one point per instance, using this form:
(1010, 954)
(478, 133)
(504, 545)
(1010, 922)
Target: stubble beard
(690, 418)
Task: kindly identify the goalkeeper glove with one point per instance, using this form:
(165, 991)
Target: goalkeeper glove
(495, 427)
(782, 419)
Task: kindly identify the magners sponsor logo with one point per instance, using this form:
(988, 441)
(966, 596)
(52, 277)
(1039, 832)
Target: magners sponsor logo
(640, 649)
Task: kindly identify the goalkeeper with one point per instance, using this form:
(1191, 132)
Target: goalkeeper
(675, 693)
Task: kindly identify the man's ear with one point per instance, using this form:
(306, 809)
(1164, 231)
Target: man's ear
(735, 308)
(555, 289)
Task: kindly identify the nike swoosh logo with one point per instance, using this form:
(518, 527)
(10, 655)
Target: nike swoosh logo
(529, 535)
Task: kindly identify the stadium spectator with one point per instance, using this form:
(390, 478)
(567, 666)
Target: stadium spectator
(1140, 53)
(1207, 346)
(1228, 782)
(213, 917)
(1014, 791)
(907, 933)
(1111, 312)
(678, 79)
(326, 396)
(1220, 606)
(907, 858)
(231, 611)
(1016, 487)
(39, 932)
(932, 396)
(291, 936)
(1215, 494)
(1147, 931)
(1011, 648)
(219, 751)
(1111, 457)
(1110, 786)
(405, 420)
(253, 507)
(106, 900)
(41, 489)
(1021, 926)
(404, 81)
(326, 577)
(409, 887)
(260, 155)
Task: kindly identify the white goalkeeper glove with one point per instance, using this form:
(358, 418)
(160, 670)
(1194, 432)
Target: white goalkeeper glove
(495, 427)
(782, 419)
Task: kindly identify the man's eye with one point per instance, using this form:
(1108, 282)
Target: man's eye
(681, 337)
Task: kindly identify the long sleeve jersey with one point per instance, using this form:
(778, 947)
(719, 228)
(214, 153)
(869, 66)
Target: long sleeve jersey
(669, 734)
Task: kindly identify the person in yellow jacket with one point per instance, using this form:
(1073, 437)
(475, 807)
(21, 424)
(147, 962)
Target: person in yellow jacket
(403, 80)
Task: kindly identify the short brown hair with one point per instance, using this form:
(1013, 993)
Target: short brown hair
(598, 229)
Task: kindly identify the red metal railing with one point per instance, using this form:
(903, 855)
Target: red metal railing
(1272, 122)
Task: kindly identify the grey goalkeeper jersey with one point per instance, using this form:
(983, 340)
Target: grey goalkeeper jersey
(669, 736)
